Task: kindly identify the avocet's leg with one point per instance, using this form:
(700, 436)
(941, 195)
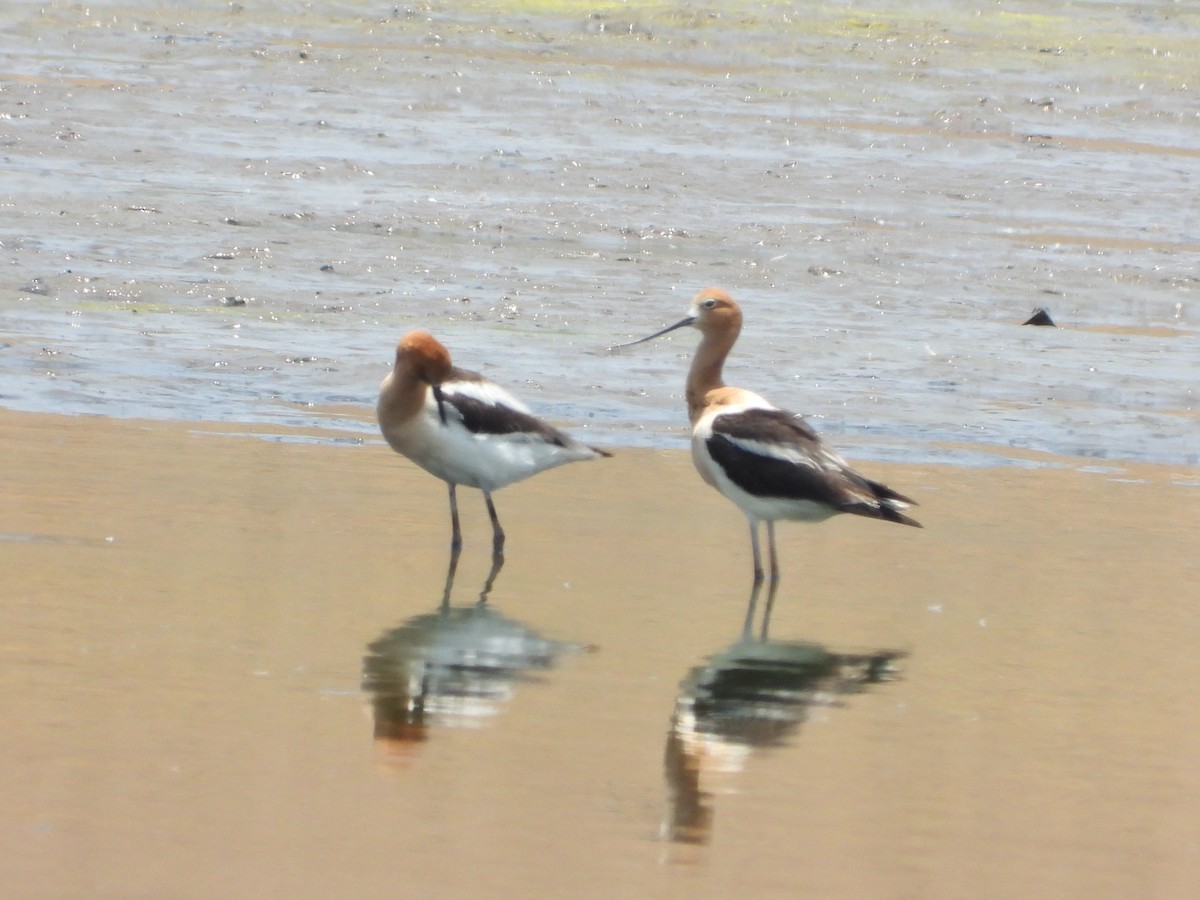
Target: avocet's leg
(497, 531)
(772, 552)
(497, 548)
(767, 609)
(454, 551)
(497, 565)
(748, 625)
(758, 569)
(455, 531)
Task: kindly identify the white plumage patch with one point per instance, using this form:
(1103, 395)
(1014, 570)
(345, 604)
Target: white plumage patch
(486, 460)
(784, 452)
(484, 392)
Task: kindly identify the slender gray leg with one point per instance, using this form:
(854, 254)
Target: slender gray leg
(771, 550)
(758, 569)
(748, 626)
(497, 548)
(454, 551)
(497, 531)
(455, 548)
(497, 565)
(455, 531)
(769, 607)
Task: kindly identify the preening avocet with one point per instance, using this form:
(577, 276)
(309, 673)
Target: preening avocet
(464, 429)
(765, 459)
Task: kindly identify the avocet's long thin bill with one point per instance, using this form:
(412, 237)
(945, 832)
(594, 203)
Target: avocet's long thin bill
(690, 320)
(441, 403)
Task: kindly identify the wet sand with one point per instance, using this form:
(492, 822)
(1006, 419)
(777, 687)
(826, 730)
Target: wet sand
(186, 612)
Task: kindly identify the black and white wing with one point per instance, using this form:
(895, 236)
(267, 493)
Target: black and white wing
(772, 453)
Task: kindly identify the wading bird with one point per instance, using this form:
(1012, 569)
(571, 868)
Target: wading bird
(765, 459)
(464, 429)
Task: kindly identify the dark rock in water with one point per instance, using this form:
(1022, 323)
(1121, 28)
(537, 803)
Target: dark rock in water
(1039, 317)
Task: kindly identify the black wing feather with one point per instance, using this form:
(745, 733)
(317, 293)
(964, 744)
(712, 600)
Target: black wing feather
(824, 481)
(492, 418)
(777, 426)
(480, 417)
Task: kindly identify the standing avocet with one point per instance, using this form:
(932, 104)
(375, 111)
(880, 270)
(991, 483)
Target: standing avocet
(464, 429)
(765, 459)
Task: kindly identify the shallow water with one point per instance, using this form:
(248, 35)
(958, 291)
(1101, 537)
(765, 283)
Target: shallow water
(227, 670)
(227, 673)
(230, 214)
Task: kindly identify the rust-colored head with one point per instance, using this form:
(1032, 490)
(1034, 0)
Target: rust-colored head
(422, 356)
(719, 319)
(714, 311)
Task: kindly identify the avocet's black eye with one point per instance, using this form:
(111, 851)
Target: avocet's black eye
(709, 303)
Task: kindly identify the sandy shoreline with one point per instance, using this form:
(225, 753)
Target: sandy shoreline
(186, 613)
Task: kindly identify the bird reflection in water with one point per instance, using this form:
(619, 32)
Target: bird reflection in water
(754, 694)
(455, 666)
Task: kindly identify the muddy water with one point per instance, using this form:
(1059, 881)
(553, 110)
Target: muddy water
(226, 674)
(225, 669)
(226, 213)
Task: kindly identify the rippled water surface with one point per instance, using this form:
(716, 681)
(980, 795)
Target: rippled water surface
(231, 213)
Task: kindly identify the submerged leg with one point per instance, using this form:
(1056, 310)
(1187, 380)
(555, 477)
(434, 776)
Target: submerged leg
(758, 569)
(770, 605)
(748, 625)
(497, 547)
(455, 531)
(497, 565)
(751, 607)
(454, 552)
(497, 531)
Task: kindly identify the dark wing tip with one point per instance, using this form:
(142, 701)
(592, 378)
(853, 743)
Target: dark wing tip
(888, 505)
(885, 494)
(883, 511)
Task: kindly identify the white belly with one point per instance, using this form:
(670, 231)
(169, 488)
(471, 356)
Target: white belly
(485, 461)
